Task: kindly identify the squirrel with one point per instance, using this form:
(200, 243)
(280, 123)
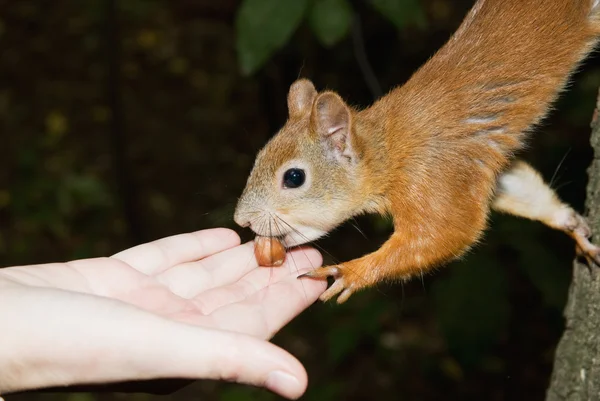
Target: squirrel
(437, 153)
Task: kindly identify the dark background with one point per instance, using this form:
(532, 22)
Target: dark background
(123, 122)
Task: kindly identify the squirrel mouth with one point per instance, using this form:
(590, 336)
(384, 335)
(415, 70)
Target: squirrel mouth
(268, 234)
(280, 237)
(303, 234)
(299, 235)
(286, 239)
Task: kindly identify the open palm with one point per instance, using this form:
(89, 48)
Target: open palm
(189, 306)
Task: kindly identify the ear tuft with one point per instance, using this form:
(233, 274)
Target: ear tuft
(332, 120)
(301, 97)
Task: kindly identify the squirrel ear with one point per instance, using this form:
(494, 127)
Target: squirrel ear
(301, 97)
(332, 121)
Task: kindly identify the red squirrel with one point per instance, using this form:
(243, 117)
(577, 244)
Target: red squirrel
(437, 154)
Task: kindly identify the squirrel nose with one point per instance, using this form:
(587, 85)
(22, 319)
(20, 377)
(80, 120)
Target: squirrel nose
(241, 221)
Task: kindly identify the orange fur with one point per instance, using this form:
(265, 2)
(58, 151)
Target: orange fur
(429, 152)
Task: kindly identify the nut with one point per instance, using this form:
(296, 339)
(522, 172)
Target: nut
(269, 251)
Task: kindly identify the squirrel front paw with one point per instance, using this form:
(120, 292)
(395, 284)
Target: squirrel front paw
(347, 281)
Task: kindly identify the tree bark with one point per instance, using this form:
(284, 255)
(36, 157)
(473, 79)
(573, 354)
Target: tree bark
(576, 375)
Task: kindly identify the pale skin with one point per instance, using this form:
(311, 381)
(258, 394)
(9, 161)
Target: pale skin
(192, 306)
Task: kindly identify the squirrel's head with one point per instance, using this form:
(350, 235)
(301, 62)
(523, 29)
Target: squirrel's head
(305, 180)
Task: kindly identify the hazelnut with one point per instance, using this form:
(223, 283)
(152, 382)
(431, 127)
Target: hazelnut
(269, 251)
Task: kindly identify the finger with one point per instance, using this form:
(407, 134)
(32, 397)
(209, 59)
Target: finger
(88, 340)
(267, 310)
(159, 255)
(258, 279)
(226, 268)
(224, 355)
(188, 279)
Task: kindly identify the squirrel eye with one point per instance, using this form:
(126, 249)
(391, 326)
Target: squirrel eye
(294, 178)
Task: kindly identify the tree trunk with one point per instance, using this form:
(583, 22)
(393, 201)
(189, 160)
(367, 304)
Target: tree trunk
(576, 375)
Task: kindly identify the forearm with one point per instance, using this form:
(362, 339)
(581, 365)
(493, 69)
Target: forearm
(71, 276)
(57, 338)
(54, 338)
(33, 353)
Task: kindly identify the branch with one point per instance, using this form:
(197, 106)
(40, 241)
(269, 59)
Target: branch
(576, 375)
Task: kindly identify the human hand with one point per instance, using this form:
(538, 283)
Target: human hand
(191, 306)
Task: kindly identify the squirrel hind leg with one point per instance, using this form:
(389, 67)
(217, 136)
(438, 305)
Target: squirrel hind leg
(521, 191)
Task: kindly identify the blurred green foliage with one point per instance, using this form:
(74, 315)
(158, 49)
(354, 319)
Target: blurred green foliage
(484, 327)
(265, 26)
(479, 296)
(330, 20)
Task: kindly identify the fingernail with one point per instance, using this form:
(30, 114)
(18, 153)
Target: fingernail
(282, 383)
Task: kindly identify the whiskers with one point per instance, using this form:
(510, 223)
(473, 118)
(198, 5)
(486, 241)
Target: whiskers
(354, 224)
(556, 171)
(272, 224)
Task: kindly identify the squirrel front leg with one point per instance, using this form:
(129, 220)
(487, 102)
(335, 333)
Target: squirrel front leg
(401, 257)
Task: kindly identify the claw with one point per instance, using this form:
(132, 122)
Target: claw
(345, 295)
(585, 248)
(577, 227)
(338, 287)
(589, 252)
(322, 272)
(343, 286)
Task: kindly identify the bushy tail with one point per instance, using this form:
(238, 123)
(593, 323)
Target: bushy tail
(594, 16)
(499, 73)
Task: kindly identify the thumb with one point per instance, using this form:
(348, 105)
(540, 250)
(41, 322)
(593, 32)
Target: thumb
(197, 353)
(62, 338)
